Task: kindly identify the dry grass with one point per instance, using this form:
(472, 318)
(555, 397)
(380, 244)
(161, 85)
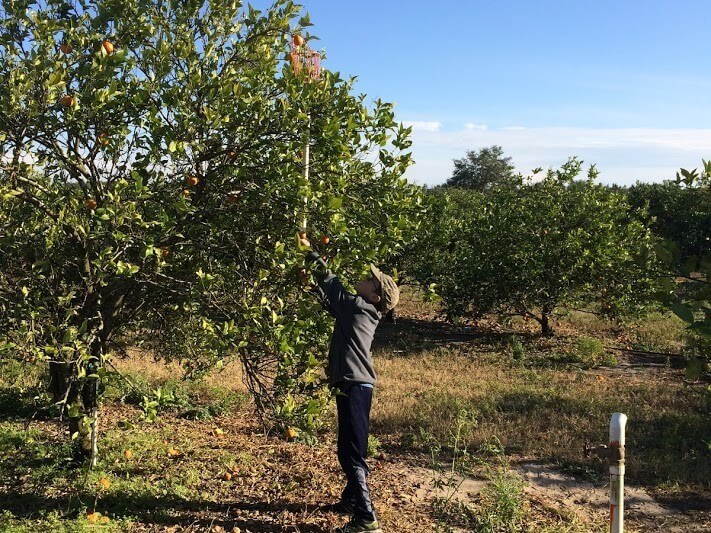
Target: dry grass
(542, 407)
(141, 363)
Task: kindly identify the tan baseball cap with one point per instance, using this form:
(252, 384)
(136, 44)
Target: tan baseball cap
(389, 292)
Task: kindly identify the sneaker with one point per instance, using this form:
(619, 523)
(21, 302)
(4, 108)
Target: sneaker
(356, 525)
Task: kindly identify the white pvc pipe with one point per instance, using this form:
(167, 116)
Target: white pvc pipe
(617, 473)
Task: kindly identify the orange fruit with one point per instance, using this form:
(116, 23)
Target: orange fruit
(165, 441)
(325, 239)
(128, 454)
(302, 235)
(107, 46)
(186, 193)
(173, 452)
(66, 101)
(66, 48)
(103, 138)
(104, 520)
(164, 252)
(193, 180)
(219, 432)
(93, 518)
(91, 204)
(104, 483)
(291, 433)
(298, 40)
(226, 476)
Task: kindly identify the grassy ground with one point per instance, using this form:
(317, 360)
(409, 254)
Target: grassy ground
(480, 399)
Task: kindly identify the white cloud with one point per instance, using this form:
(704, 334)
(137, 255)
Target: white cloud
(423, 126)
(472, 126)
(622, 155)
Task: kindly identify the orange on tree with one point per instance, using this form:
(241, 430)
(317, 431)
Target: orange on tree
(67, 100)
(107, 46)
(186, 193)
(298, 40)
(66, 48)
(193, 180)
(103, 138)
(104, 520)
(93, 517)
(91, 204)
(325, 239)
(164, 252)
(104, 483)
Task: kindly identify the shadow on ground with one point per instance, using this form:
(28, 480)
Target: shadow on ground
(168, 510)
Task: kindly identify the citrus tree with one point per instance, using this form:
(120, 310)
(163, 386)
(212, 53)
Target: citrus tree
(677, 211)
(529, 249)
(684, 219)
(152, 185)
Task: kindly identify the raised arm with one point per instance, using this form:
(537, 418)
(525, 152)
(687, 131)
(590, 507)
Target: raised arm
(329, 288)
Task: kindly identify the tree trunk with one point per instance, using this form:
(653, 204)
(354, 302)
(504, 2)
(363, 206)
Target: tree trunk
(64, 388)
(59, 380)
(546, 328)
(90, 399)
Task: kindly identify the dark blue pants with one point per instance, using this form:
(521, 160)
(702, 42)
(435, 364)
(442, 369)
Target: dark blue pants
(353, 428)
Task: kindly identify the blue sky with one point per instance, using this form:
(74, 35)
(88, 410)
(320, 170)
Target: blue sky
(625, 84)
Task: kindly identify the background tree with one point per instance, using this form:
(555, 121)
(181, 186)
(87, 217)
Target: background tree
(482, 170)
(151, 189)
(677, 212)
(529, 249)
(684, 220)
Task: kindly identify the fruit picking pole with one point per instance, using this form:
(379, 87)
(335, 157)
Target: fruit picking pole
(306, 168)
(615, 454)
(305, 61)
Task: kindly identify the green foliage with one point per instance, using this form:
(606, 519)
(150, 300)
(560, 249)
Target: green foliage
(373, 446)
(106, 240)
(677, 211)
(591, 353)
(532, 248)
(518, 351)
(482, 170)
(687, 259)
(503, 499)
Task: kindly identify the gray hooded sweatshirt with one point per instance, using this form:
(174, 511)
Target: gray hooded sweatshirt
(349, 357)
